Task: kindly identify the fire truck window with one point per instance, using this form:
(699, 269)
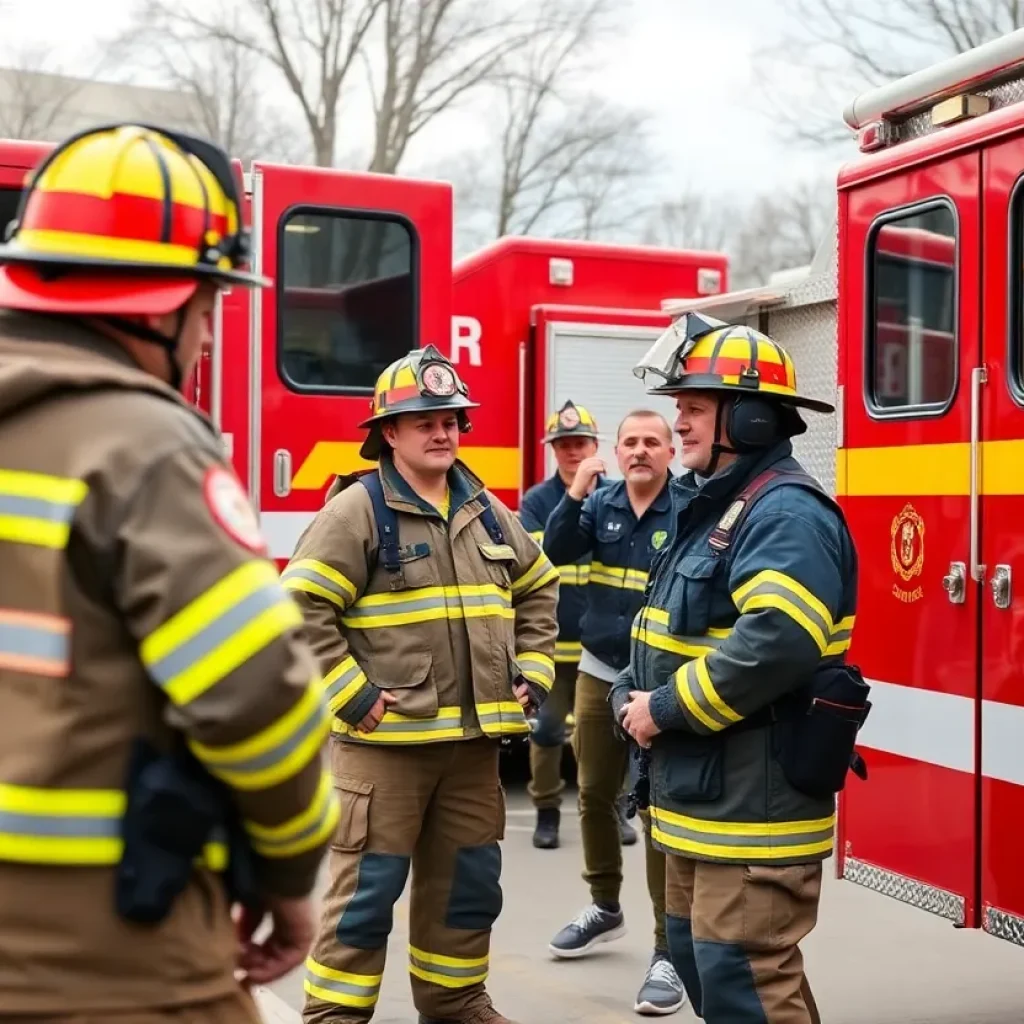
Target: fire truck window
(913, 340)
(346, 299)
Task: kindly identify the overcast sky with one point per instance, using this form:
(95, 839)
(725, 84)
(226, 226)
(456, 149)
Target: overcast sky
(687, 61)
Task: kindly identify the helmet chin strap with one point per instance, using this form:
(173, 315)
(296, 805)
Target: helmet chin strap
(717, 448)
(168, 343)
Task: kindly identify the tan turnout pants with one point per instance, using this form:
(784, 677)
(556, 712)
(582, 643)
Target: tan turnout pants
(437, 808)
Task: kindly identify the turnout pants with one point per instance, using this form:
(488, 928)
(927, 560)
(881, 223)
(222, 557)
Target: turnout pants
(238, 1008)
(547, 742)
(734, 932)
(602, 761)
(437, 808)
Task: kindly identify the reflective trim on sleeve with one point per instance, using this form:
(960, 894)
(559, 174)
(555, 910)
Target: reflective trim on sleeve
(305, 831)
(742, 841)
(776, 590)
(276, 753)
(538, 575)
(568, 651)
(574, 575)
(538, 668)
(615, 576)
(699, 697)
(342, 988)
(37, 509)
(842, 636)
(396, 728)
(219, 631)
(35, 643)
(318, 578)
(343, 683)
(424, 604)
(502, 718)
(447, 971)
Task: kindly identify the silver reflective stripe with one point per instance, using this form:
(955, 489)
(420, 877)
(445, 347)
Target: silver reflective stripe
(501, 718)
(743, 842)
(687, 683)
(212, 635)
(335, 686)
(534, 664)
(60, 826)
(772, 589)
(342, 988)
(420, 725)
(312, 576)
(37, 508)
(23, 639)
(438, 603)
(650, 631)
(470, 974)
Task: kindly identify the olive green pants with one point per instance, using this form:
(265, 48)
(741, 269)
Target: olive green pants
(547, 742)
(602, 760)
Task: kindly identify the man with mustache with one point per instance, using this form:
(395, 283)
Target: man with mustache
(621, 526)
(433, 613)
(572, 434)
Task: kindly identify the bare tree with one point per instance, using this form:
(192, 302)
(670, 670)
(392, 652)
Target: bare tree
(34, 93)
(220, 77)
(830, 50)
(432, 53)
(693, 221)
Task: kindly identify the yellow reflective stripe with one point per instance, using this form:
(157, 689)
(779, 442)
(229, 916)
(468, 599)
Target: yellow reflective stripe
(305, 831)
(341, 988)
(423, 604)
(343, 682)
(728, 840)
(447, 971)
(276, 753)
(37, 509)
(568, 651)
(537, 535)
(315, 577)
(773, 589)
(219, 631)
(688, 690)
(538, 575)
(700, 670)
(615, 576)
(842, 636)
(538, 668)
(396, 728)
(574, 575)
(502, 718)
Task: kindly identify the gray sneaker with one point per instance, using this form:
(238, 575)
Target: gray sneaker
(592, 926)
(662, 992)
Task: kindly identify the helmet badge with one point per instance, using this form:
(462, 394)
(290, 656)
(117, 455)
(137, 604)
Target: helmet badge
(439, 380)
(569, 418)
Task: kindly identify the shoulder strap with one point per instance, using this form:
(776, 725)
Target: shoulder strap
(490, 520)
(387, 526)
(762, 484)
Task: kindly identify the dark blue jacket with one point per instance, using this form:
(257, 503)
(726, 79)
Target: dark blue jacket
(622, 548)
(536, 507)
(720, 637)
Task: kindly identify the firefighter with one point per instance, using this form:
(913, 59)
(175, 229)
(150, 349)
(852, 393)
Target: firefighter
(622, 526)
(155, 693)
(572, 434)
(434, 615)
(752, 602)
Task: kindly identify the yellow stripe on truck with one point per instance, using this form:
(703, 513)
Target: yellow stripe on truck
(499, 468)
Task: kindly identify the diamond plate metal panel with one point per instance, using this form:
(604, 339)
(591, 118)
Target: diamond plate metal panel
(907, 890)
(1004, 926)
(921, 124)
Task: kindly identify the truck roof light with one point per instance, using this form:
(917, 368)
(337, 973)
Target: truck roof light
(560, 271)
(876, 135)
(959, 108)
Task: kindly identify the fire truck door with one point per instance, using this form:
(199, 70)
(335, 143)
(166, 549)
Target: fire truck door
(910, 327)
(1002, 544)
(362, 274)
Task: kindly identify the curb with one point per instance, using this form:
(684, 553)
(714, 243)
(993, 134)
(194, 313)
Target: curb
(273, 1009)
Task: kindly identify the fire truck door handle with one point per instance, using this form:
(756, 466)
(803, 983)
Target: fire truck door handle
(979, 376)
(282, 472)
(955, 583)
(1000, 584)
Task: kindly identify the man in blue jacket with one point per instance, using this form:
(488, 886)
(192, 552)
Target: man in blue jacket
(621, 526)
(572, 434)
(737, 690)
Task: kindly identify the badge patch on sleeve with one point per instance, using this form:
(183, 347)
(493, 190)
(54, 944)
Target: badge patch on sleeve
(231, 510)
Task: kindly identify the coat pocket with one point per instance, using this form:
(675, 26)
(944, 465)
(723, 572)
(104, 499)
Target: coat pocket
(498, 560)
(354, 796)
(693, 585)
(409, 678)
(688, 769)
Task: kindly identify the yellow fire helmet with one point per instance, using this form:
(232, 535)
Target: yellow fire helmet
(422, 381)
(700, 353)
(570, 421)
(125, 219)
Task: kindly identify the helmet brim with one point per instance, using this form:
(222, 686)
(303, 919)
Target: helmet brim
(12, 254)
(23, 287)
(699, 383)
(424, 403)
(590, 434)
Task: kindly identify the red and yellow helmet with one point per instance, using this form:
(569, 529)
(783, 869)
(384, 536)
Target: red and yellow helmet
(699, 353)
(125, 219)
(422, 381)
(570, 421)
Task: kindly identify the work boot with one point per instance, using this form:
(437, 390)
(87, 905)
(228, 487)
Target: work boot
(485, 1015)
(627, 834)
(662, 991)
(595, 924)
(545, 835)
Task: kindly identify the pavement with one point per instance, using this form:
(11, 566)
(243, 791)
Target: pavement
(871, 960)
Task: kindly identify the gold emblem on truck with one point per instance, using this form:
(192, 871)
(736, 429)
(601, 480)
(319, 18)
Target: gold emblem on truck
(906, 552)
